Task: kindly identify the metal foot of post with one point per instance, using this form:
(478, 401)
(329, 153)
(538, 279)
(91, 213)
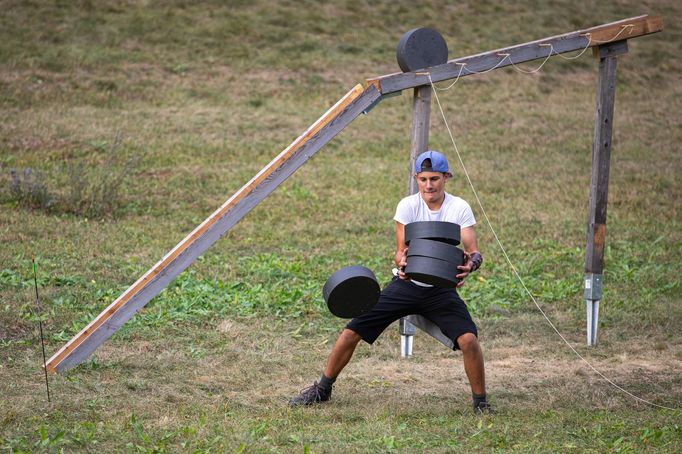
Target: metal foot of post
(593, 294)
(406, 345)
(592, 321)
(407, 332)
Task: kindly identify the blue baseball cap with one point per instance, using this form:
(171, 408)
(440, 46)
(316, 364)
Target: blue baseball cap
(438, 161)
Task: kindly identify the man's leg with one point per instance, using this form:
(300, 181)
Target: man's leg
(338, 358)
(341, 353)
(473, 362)
(396, 300)
(474, 368)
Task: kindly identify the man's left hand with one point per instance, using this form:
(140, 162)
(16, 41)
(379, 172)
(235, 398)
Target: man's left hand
(472, 262)
(465, 269)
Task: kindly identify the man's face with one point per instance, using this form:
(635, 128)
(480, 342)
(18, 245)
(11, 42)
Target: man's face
(431, 186)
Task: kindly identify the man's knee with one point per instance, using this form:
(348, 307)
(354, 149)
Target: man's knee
(348, 336)
(468, 342)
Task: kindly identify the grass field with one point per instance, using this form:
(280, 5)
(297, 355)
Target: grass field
(124, 124)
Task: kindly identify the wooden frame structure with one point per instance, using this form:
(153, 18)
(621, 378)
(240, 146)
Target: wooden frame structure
(361, 99)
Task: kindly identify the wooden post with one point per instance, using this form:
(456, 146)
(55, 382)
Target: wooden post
(421, 112)
(599, 182)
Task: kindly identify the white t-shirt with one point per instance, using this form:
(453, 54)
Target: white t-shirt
(454, 209)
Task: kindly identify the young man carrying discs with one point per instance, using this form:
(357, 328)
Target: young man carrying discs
(403, 296)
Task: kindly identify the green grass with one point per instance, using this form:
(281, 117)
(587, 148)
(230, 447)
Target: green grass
(182, 103)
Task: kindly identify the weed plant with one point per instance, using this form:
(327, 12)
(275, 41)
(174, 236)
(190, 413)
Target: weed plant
(91, 190)
(98, 191)
(28, 189)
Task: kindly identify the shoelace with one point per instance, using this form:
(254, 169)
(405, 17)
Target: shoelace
(312, 391)
(484, 408)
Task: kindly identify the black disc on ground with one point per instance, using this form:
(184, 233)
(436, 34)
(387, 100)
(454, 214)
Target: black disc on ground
(351, 291)
(421, 48)
(447, 232)
(435, 249)
(432, 271)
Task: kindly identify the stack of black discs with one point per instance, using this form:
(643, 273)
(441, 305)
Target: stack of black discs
(432, 257)
(351, 291)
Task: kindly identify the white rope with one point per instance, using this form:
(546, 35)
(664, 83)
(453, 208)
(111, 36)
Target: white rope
(504, 57)
(589, 42)
(622, 29)
(552, 51)
(461, 68)
(516, 273)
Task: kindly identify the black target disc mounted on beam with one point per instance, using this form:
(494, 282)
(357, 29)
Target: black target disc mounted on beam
(421, 48)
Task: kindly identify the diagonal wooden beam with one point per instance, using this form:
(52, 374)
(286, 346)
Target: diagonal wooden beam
(473, 64)
(81, 346)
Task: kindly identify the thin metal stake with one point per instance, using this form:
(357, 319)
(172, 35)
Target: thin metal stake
(593, 294)
(40, 323)
(592, 321)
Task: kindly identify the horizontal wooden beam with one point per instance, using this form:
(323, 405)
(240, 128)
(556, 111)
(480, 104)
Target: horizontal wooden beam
(81, 346)
(542, 48)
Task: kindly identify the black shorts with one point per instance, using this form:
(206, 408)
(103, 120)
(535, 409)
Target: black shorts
(400, 298)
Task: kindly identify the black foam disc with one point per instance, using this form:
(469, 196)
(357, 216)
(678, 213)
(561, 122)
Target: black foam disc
(432, 271)
(421, 48)
(447, 232)
(436, 250)
(351, 291)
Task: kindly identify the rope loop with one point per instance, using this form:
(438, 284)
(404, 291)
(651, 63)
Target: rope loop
(552, 51)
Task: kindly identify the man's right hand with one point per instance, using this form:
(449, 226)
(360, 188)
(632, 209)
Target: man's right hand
(402, 263)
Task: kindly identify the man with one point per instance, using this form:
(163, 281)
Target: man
(403, 297)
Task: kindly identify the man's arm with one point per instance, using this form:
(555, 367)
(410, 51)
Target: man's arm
(470, 244)
(400, 250)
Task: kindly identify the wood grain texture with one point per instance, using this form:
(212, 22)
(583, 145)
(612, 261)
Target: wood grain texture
(631, 28)
(419, 142)
(421, 114)
(568, 42)
(611, 50)
(601, 157)
(217, 224)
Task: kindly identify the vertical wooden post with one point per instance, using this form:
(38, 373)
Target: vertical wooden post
(421, 112)
(599, 182)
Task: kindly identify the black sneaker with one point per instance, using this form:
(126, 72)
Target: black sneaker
(483, 408)
(311, 395)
